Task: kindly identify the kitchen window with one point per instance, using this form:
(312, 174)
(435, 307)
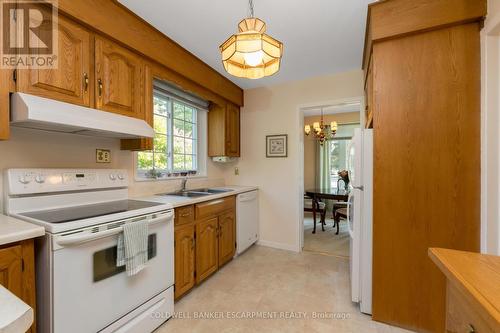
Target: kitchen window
(179, 145)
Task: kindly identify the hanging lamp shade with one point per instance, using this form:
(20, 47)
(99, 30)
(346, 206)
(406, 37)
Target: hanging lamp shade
(251, 53)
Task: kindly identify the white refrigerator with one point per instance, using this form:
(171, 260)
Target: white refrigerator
(360, 217)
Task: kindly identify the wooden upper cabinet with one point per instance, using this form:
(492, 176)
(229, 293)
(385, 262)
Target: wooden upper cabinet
(184, 259)
(224, 130)
(119, 79)
(226, 237)
(232, 130)
(70, 82)
(206, 248)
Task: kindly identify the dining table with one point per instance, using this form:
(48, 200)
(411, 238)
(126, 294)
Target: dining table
(316, 194)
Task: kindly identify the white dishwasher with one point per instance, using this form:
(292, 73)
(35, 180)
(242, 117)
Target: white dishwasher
(247, 220)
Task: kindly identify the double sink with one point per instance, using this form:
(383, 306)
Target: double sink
(199, 192)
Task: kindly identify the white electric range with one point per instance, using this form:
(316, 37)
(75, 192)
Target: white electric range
(79, 287)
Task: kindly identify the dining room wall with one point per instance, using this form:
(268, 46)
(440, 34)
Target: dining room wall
(275, 110)
(310, 143)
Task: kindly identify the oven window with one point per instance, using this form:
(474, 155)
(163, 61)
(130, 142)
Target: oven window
(105, 260)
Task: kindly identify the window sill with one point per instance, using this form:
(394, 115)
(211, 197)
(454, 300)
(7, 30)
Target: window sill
(144, 179)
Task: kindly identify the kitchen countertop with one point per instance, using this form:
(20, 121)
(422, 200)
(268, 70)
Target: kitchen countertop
(178, 201)
(13, 230)
(476, 274)
(15, 315)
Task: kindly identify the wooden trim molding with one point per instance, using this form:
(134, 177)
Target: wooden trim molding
(117, 22)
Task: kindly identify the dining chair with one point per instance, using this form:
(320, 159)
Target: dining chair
(339, 211)
(308, 207)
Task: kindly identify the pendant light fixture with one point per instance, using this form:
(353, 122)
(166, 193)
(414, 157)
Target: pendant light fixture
(251, 53)
(321, 131)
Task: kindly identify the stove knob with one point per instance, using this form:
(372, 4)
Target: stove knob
(40, 179)
(121, 177)
(112, 176)
(24, 179)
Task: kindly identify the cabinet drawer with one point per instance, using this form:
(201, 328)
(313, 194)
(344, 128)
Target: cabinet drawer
(463, 314)
(184, 215)
(214, 207)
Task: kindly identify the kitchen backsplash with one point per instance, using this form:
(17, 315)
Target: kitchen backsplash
(29, 148)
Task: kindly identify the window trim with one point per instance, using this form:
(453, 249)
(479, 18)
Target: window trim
(200, 148)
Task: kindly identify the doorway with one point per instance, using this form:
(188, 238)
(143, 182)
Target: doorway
(322, 164)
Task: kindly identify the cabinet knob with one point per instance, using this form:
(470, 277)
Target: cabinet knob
(99, 87)
(471, 329)
(85, 81)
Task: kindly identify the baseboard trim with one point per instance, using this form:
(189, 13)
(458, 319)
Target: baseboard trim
(279, 246)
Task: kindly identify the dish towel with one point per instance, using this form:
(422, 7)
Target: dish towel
(132, 248)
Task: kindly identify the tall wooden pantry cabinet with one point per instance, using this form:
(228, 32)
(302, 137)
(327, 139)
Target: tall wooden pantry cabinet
(422, 67)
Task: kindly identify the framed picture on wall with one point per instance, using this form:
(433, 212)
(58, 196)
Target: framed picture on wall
(277, 145)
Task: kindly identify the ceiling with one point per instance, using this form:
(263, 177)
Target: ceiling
(320, 37)
(332, 109)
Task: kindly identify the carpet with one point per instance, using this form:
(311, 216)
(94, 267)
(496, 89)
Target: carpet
(326, 241)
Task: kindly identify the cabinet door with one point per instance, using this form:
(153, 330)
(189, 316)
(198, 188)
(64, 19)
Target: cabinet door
(11, 270)
(232, 130)
(143, 143)
(226, 237)
(119, 76)
(70, 81)
(184, 259)
(206, 248)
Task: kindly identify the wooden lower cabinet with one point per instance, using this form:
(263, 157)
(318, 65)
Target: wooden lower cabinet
(185, 254)
(17, 272)
(462, 314)
(204, 245)
(206, 248)
(227, 236)
(11, 269)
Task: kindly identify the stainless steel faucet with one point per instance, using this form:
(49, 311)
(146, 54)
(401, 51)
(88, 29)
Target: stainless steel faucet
(184, 182)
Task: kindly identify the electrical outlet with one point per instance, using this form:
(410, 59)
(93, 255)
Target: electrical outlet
(237, 171)
(103, 156)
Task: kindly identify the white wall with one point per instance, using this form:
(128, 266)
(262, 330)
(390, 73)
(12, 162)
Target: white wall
(39, 149)
(274, 110)
(490, 173)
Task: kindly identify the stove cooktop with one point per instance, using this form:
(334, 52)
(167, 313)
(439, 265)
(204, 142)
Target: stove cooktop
(70, 214)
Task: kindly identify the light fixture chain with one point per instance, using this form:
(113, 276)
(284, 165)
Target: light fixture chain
(250, 6)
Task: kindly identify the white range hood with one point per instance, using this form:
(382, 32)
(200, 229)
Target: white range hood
(46, 114)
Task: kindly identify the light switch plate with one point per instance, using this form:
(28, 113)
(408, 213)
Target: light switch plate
(103, 156)
(237, 171)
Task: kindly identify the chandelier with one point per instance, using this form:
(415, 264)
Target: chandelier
(251, 53)
(321, 131)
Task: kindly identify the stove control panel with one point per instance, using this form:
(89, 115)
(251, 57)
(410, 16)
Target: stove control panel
(32, 181)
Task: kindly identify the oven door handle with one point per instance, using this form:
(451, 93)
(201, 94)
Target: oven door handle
(76, 239)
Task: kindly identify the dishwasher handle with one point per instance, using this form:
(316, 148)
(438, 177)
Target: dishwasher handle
(88, 235)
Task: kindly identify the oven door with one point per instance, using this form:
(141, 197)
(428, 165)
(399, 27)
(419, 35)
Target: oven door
(90, 292)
